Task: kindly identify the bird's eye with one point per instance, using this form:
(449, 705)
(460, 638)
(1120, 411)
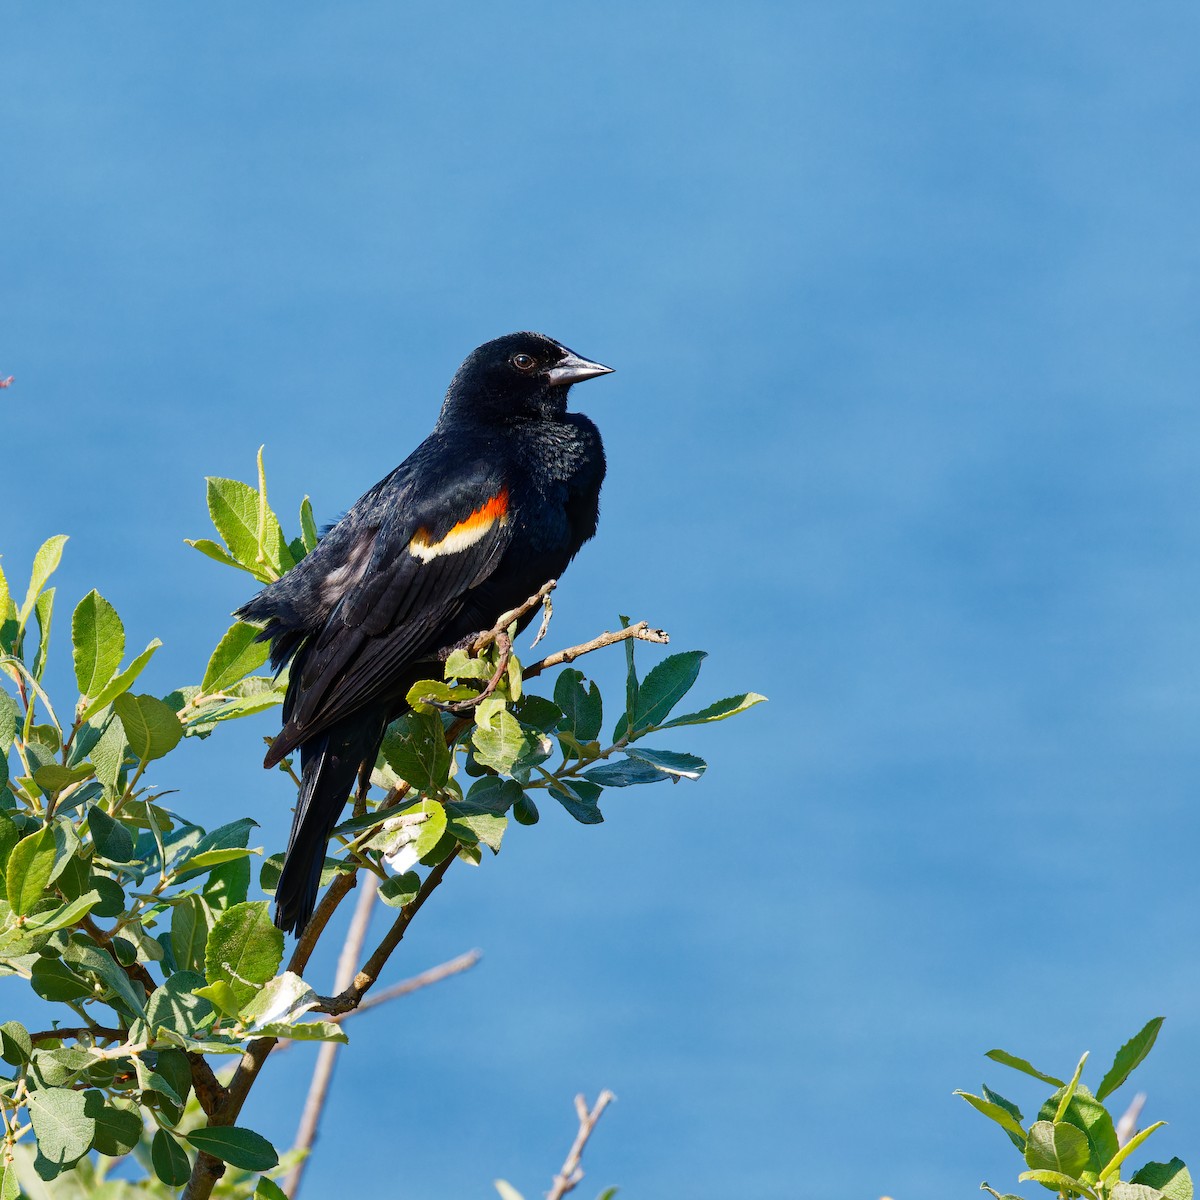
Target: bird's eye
(523, 362)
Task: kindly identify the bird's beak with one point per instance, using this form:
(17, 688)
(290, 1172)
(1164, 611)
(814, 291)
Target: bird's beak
(573, 369)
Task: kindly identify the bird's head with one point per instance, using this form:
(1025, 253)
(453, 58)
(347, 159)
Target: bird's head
(518, 374)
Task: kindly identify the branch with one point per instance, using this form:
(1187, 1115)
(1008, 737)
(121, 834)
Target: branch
(456, 966)
(569, 1177)
(80, 1031)
(350, 997)
(641, 631)
(318, 1089)
(1127, 1125)
(514, 614)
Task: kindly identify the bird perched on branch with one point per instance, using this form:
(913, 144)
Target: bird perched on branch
(493, 503)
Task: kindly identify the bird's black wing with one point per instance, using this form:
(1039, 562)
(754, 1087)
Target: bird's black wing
(403, 580)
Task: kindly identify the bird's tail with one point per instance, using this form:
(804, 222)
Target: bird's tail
(331, 762)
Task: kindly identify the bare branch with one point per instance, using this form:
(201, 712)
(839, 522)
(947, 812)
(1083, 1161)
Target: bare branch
(569, 1177)
(641, 631)
(515, 614)
(77, 1032)
(1128, 1124)
(456, 966)
(318, 1089)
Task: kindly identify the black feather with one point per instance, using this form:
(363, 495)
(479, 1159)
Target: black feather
(494, 502)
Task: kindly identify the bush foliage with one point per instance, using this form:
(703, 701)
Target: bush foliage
(146, 935)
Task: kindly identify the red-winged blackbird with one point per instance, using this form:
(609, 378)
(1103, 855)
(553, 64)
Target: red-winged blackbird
(493, 503)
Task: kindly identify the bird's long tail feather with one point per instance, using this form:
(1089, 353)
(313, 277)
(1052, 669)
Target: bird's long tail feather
(331, 762)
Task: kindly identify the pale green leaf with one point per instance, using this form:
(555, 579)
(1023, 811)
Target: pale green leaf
(98, 638)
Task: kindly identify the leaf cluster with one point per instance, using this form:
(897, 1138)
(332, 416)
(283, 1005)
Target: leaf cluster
(1071, 1148)
(137, 927)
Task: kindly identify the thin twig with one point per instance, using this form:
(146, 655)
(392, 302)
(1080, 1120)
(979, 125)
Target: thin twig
(456, 966)
(80, 1031)
(514, 614)
(464, 706)
(1127, 1125)
(350, 997)
(641, 631)
(318, 1089)
(569, 1177)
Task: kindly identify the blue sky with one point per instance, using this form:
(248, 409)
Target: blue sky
(903, 305)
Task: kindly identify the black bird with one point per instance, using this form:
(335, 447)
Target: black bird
(494, 502)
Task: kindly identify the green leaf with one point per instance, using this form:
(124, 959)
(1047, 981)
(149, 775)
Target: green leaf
(983, 1187)
(111, 838)
(492, 794)
(227, 884)
(285, 999)
(15, 1046)
(98, 962)
(1019, 1064)
(169, 1159)
(118, 1130)
(242, 1148)
(30, 865)
(174, 1004)
(108, 754)
(398, 890)
(1128, 1057)
(472, 827)
(1134, 1191)
(537, 712)
(525, 811)
(151, 727)
(415, 748)
(1000, 1115)
(665, 686)
(217, 553)
(1069, 1091)
(1085, 1112)
(500, 744)
(121, 683)
(1056, 1181)
(53, 980)
(221, 996)
(235, 511)
(60, 1121)
(269, 1190)
(271, 543)
(631, 685)
(53, 778)
(98, 638)
(306, 1031)
(64, 916)
(1114, 1164)
(1056, 1147)
(10, 1185)
(577, 796)
(190, 925)
(1170, 1178)
(244, 949)
(237, 655)
(308, 527)
(10, 721)
(45, 563)
(625, 772)
(582, 708)
(410, 834)
(669, 762)
(44, 610)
